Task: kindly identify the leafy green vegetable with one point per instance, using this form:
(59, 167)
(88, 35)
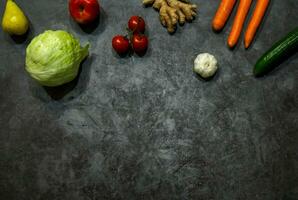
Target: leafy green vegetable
(53, 58)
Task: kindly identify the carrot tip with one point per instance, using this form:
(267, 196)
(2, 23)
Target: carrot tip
(231, 44)
(246, 44)
(216, 27)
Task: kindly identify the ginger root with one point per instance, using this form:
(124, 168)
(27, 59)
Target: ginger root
(173, 11)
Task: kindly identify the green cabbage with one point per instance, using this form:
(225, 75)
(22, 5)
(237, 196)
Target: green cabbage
(53, 58)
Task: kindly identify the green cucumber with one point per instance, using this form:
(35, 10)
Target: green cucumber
(277, 53)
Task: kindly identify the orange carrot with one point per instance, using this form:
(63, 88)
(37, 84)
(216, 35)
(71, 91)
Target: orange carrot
(223, 12)
(255, 21)
(241, 14)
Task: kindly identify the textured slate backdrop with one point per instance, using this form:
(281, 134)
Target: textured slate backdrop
(148, 128)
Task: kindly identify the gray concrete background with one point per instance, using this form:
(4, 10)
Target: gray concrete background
(149, 128)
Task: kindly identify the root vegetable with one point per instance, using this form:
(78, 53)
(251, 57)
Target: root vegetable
(238, 22)
(173, 11)
(224, 10)
(255, 21)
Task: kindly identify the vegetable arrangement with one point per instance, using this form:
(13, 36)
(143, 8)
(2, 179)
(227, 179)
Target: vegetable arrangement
(137, 42)
(225, 10)
(53, 57)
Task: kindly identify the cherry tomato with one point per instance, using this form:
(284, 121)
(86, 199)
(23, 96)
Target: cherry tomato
(136, 24)
(120, 44)
(139, 43)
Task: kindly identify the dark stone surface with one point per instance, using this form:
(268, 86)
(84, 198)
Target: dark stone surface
(148, 128)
